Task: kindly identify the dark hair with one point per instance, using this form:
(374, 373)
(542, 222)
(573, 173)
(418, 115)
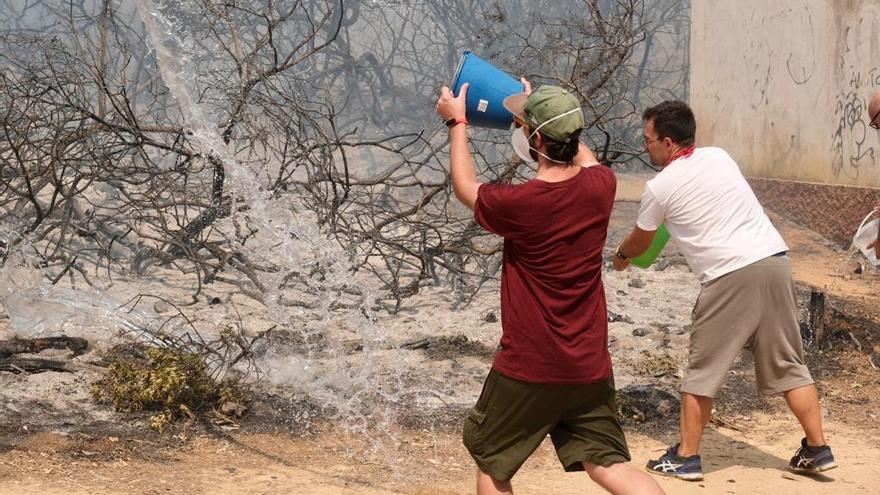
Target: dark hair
(673, 119)
(563, 151)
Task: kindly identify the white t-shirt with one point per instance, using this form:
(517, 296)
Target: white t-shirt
(711, 213)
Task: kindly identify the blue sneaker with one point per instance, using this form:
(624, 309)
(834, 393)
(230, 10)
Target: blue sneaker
(812, 459)
(683, 468)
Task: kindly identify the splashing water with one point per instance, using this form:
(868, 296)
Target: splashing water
(358, 390)
(289, 238)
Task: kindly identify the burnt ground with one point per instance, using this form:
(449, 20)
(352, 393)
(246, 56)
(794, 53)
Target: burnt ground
(844, 362)
(847, 380)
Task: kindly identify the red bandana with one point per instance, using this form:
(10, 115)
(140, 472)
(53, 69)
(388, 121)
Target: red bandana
(682, 153)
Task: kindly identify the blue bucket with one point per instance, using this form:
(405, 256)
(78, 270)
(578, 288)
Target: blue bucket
(489, 87)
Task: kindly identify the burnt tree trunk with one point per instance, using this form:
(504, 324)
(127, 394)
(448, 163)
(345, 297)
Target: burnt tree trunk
(9, 362)
(33, 346)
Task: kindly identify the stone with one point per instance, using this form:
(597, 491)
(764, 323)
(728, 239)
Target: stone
(646, 402)
(641, 331)
(161, 307)
(636, 283)
(490, 317)
(233, 409)
(669, 261)
(666, 406)
(615, 317)
(353, 345)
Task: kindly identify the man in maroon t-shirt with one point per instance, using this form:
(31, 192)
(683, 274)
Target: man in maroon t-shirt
(553, 372)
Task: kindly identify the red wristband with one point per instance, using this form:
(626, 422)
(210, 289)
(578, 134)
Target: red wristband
(455, 121)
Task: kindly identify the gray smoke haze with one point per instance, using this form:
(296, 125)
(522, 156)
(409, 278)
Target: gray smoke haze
(385, 65)
(286, 155)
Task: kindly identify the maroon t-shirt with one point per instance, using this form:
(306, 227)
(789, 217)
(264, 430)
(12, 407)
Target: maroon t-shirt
(553, 312)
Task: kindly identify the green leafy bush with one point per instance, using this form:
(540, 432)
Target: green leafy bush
(170, 382)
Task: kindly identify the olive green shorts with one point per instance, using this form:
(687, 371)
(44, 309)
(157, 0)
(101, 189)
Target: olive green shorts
(511, 419)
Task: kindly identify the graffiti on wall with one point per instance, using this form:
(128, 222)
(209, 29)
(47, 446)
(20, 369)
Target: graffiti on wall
(800, 67)
(851, 144)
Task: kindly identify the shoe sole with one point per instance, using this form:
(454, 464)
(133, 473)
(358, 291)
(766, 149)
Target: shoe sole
(817, 469)
(685, 477)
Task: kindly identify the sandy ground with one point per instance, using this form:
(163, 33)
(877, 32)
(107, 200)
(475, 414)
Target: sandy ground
(56, 440)
(735, 462)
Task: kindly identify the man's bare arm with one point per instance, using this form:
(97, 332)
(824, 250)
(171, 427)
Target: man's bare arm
(461, 163)
(637, 242)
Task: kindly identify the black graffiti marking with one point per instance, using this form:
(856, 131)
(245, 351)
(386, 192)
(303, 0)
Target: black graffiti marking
(873, 77)
(851, 130)
(763, 85)
(803, 77)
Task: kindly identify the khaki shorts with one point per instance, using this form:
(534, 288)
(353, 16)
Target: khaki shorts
(512, 418)
(752, 308)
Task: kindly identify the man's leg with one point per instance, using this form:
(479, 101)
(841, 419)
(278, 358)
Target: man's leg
(509, 421)
(620, 478)
(779, 365)
(487, 485)
(590, 437)
(682, 460)
(813, 456)
(779, 350)
(695, 413)
(804, 403)
(723, 324)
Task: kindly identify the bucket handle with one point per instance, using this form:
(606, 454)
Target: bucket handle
(458, 70)
(870, 214)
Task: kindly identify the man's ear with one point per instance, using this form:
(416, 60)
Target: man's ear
(539, 140)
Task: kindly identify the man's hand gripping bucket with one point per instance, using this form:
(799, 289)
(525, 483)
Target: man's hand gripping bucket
(866, 235)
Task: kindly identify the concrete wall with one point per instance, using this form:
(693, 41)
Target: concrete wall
(784, 86)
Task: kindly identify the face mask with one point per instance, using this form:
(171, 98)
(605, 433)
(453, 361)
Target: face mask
(520, 142)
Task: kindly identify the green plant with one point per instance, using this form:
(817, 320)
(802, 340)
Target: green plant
(170, 382)
(657, 365)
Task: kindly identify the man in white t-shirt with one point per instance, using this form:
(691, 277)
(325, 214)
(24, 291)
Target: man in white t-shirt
(747, 299)
(874, 116)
